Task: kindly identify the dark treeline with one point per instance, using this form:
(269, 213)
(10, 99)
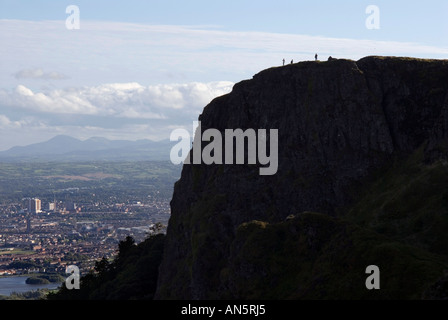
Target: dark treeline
(131, 275)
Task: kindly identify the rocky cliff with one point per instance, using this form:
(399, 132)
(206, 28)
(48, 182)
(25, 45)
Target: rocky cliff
(353, 136)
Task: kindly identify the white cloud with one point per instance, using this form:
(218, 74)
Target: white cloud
(38, 73)
(126, 100)
(56, 101)
(7, 124)
(115, 111)
(104, 52)
(4, 121)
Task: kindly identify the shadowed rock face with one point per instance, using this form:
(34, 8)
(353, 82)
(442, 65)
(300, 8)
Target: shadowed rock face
(337, 121)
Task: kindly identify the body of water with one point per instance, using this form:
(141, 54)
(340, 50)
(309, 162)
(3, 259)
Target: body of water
(17, 284)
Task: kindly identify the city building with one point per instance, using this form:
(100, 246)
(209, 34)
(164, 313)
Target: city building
(34, 206)
(70, 206)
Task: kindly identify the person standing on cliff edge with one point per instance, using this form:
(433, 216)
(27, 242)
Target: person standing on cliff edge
(283, 61)
(315, 56)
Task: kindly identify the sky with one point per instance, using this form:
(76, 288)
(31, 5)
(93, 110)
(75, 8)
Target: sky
(139, 69)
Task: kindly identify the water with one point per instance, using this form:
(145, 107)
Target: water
(9, 285)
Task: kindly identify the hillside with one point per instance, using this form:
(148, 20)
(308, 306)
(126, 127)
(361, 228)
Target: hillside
(68, 149)
(361, 181)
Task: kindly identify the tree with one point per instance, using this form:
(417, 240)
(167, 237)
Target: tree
(132, 275)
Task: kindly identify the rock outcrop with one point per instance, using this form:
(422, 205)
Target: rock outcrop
(338, 122)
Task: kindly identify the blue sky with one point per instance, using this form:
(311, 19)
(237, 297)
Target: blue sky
(417, 21)
(139, 69)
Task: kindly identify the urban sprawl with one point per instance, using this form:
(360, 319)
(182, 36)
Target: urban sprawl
(44, 237)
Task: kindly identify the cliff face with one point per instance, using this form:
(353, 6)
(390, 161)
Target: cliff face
(338, 122)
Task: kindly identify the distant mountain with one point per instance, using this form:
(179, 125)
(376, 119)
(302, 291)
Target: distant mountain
(66, 148)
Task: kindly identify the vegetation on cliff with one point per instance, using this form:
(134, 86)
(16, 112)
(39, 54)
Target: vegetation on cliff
(131, 275)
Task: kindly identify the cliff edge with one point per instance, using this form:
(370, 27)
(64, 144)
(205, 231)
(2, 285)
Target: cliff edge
(358, 142)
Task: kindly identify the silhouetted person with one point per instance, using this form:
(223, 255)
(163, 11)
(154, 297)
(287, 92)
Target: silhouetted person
(283, 61)
(292, 61)
(315, 57)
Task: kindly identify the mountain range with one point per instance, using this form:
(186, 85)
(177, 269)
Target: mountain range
(66, 148)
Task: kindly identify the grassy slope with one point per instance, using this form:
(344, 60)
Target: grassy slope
(399, 224)
(409, 203)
